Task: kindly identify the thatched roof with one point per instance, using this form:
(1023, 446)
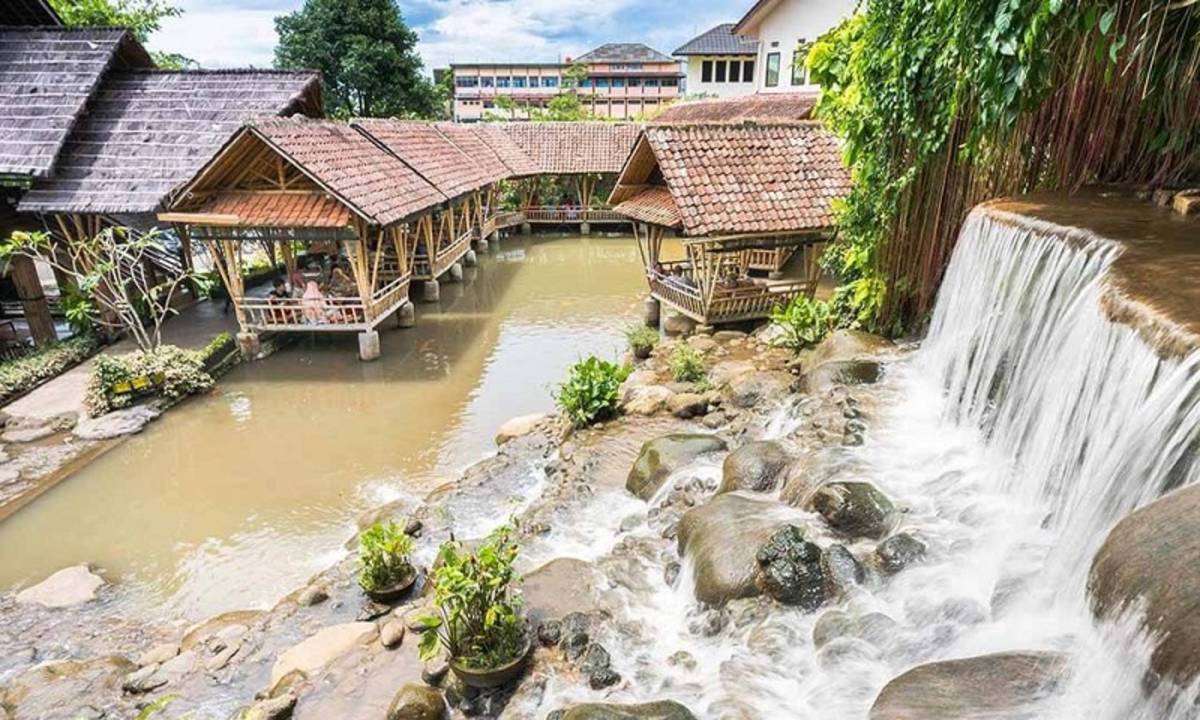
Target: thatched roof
(736, 179)
(28, 13)
(764, 107)
(574, 148)
(147, 132)
(428, 151)
(46, 77)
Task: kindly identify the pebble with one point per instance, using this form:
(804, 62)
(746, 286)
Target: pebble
(435, 671)
(158, 654)
(312, 595)
(391, 635)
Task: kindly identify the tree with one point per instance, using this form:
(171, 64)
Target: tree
(366, 53)
(566, 106)
(141, 17)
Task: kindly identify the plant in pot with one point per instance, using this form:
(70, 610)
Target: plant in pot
(641, 340)
(479, 621)
(387, 571)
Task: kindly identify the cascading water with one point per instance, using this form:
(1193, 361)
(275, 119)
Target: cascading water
(1022, 429)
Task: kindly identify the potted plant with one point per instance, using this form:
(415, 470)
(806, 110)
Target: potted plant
(387, 572)
(641, 340)
(478, 621)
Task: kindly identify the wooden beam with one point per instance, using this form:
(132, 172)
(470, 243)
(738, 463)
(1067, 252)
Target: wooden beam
(33, 300)
(199, 218)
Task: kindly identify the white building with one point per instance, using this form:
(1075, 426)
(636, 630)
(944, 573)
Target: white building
(719, 63)
(784, 30)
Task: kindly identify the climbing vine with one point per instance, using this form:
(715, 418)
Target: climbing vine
(944, 103)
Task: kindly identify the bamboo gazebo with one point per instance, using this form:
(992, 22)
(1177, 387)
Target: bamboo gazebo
(743, 198)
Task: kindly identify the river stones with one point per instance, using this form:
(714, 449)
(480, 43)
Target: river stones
(755, 466)
(416, 702)
(1150, 558)
(842, 345)
(519, 427)
(646, 399)
(664, 455)
(842, 372)
(660, 710)
(322, 647)
(856, 509)
(790, 569)
(686, 405)
(898, 552)
(275, 708)
(65, 689)
(1003, 686)
(116, 424)
(843, 571)
(750, 389)
(721, 538)
(559, 587)
(66, 588)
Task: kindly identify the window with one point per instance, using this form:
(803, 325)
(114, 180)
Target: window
(487, 82)
(735, 70)
(466, 82)
(748, 71)
(533, 81)
(601, 82)
(634, 82)
(772, 70)
(670, 82)
(720, 67)
(618, 82)
(550, 82)
(518, 82)
(489, 104)
(585, 83)
(706, 71)
(502, 82)
(799, 71)
(650, 82)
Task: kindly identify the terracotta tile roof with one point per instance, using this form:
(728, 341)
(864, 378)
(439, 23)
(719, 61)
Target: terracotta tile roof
(518, 162)
(349, 164)
(571, 148)
(311, 209)
(655, 206)
(764, 107)
(46, 77)
(718, 41)
(426, 150)
(468, 140)
(741, 179)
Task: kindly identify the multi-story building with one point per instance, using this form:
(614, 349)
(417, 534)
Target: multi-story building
(719, 63)
(784, 30)
(618, 80)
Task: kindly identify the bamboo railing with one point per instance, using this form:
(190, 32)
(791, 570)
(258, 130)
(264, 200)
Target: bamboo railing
(555, 215)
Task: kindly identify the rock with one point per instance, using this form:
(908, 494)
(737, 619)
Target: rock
(660, 710)
(664, 455)
(116, 424)
(54, 690)
(755, 466)
(790, 569)
(519, 427)
(898, 552)
(549, 633)
(312, 595)
(1147, 562)
(158, 654)
(392, 634)
(66, 588)
(144, 680)
(857, 509)
(221, 658)
(646, 399)
(575, 634)
(1187, 202)
(726, 371)
(596, 666)
(559, 587)
(747, 391)
(724, 336)
(416, 702)
(841, 345)
(874, 628)
(637, 378)
(322, 647)
(842, 372)
(1163, 197)
(842, 570)
(687, 405)
(276, 708)
(434, 671)
(722, 538)
(683, 659)
(27, 433)
(1003, 686)
(676, 323)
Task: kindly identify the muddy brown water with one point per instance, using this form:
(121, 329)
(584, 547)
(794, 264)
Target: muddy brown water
(234, 499)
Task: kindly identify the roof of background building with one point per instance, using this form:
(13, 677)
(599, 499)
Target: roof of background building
(718, 41)
(754, 15)
(572, 148)
(736, 179)
(147, 132)
(623, 53)
(28, 12)
(47, 75)
(765, 107)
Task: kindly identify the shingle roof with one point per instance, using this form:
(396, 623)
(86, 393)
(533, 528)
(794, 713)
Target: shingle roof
(28, 12)
(623, 53)
(46, 77)
(655, 206)
(571, 148)
(718, 41)
(354, 167)
(765, 107)
(148, 132)
(311, 209)
(741, 179)
(427, 151)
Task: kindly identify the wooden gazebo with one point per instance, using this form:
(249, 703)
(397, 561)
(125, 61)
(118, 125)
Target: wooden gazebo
(742, 198)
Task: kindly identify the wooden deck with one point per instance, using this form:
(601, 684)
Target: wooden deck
(554, 215)
(425, 269)
(726, 305)
(342, 314)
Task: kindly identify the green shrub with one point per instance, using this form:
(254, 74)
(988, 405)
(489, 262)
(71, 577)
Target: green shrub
(218, 346)
(804, 321)
(687, 365)
(23, 374)
(182, 374)
(383, 552)
(479, 620)
(591, 391)
(641, 339)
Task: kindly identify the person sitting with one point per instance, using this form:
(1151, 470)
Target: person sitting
(279, 295)
(316, 310)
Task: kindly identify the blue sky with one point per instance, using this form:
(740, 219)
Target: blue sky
(240, 33)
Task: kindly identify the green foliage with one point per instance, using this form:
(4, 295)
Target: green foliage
(591, 391)
(23, 374)
(142, 17)
(804, 321)
(182, 373)
(383, 552)
(641, 337)
(479, 620)
(366, 53)
(687, 364)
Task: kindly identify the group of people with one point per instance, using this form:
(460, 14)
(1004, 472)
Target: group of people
(315, 308)
(680, 275)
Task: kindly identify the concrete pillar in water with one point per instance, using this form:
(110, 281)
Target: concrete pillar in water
(585, 228)
(526, 228)
(249, 344)
(431, 291)
(406, 316)
(651, 310)
(455, 274)
(470, 259)
(368, 346)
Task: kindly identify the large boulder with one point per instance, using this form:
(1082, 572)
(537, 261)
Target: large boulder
(519, 426)
(790, 569)
(415, 701)
(116, 424)
(662, 456)
(66, 689)
(857, 509)
(751, 389)
(660, 710)
(1004, 686)
(1150, 558)
(66, 588)
(561, 586)
(722, 538)
(843, 345)
(646, 399)
(842, 372)
(755, 466)
(320, 649)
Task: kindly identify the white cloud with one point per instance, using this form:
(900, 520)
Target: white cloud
(221, 35)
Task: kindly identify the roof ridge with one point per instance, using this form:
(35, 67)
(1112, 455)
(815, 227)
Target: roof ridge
(218, 71)
(76, 29)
